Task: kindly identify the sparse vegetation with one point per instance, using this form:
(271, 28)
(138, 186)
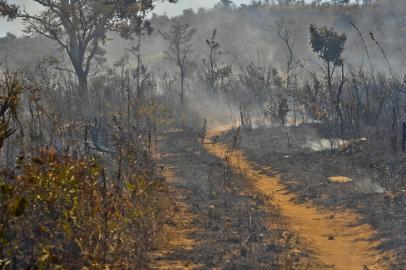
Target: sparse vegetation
(131, 141)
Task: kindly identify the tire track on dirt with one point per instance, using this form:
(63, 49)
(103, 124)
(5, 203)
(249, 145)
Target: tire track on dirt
(179, 235)
(220, 221)
(337, 241)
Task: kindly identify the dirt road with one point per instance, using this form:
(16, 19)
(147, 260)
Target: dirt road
(219, 220)
(334, 236)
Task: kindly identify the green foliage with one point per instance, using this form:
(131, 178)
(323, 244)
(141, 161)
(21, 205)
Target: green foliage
(225, 4)
(341, 2)
(328, 44)
(8, 10)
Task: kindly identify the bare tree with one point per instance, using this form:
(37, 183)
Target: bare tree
(180, 49)
(285, 34)
(214, 75)
(135, 31)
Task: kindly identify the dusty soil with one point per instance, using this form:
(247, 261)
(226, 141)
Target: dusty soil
(376, 200)
(338, 243)
(221, 221)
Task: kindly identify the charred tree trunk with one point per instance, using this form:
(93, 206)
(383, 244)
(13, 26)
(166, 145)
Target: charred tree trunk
(83, 83)
(394, 130)
(404, 137)
(338, 100)
(329, 75)
(182, 86)
(139, 90)
(83, 102)
(242, 117)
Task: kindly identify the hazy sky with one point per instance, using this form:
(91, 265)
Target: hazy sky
(170, 9)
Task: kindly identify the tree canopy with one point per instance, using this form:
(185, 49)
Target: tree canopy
(327, 43)
(79, 26)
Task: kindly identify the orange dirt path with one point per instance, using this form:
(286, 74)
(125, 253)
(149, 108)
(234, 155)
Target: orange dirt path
(331, 235)
(179, 238)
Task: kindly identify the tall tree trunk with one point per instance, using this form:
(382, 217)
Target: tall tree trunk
(83, 83)
(83, 102)
(139, 90)
(242, 117)
(182, 82)
(329, 75)
(394, 129)
(404, 137)
(338, 100)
